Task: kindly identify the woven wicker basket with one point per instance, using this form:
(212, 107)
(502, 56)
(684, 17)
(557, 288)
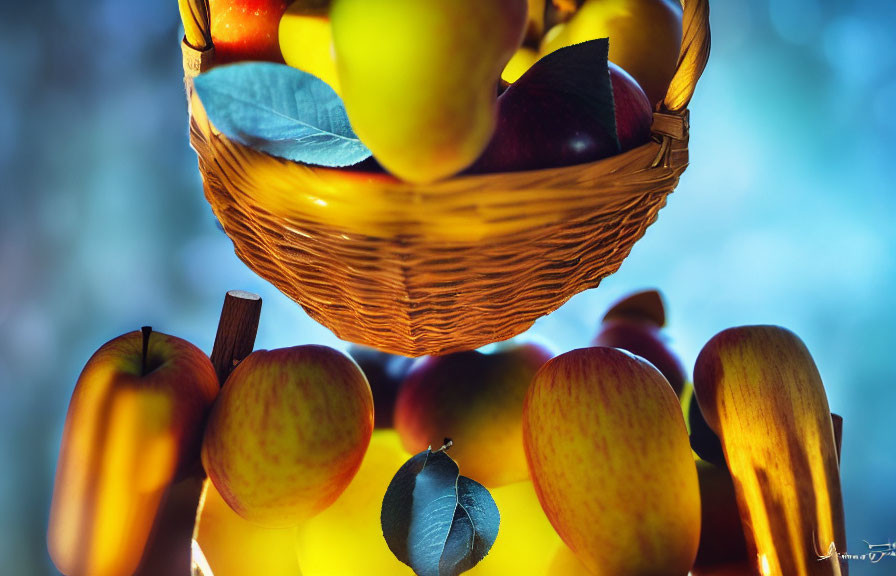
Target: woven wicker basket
(430, 269)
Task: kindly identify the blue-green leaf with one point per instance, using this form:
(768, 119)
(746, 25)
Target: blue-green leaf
(395, 516)
(475, 528)
(281, 111)
(435, 500)
(435, 521)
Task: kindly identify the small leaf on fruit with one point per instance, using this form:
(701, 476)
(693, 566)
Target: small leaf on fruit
(435, 521)
(282, 111)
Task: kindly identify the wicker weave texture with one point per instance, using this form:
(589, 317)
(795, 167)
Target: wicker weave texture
(454, 265)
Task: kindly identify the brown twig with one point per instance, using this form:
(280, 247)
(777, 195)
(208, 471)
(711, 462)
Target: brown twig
(236, 331)
(169, 550)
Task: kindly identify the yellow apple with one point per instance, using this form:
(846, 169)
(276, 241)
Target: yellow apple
(306, 42)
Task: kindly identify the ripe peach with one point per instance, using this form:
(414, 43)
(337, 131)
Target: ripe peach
(476, 400)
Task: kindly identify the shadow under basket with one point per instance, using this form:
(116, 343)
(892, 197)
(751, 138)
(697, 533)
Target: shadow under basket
(448, 266)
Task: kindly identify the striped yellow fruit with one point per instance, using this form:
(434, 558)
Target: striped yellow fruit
(134, 422)
(610, 459)
(761, 393)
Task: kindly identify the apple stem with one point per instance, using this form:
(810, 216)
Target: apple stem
(448, 443)
(147, 330)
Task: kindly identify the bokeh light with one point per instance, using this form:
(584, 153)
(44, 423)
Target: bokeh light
(785, 216)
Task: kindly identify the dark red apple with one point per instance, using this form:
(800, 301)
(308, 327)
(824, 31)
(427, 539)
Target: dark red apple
(634, 115)
(246, 29)
(561, 113)
(638, 332)
(703, 440)
(385, 372)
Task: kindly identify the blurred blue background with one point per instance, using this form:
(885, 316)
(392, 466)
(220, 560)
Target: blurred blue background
(785, 216)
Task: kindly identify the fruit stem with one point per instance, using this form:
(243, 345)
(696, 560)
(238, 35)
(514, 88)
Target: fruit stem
(147, 330)
(448, 443)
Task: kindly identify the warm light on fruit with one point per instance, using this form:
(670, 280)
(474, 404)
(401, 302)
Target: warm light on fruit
(288, 433)
(419, 78)
(233, 546)
(522, 60)
(610, 460)
(246, 29)
(306, 42)
(761, 393)
(353, 521)
(476, 400)
(527, 543)
(134, 421)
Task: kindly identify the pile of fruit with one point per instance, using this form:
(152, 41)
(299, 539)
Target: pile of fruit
(562, 466)
(429, 90)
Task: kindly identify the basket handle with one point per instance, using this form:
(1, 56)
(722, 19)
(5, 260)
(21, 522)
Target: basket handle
(197, 48)
(695, 42)
(197, 24)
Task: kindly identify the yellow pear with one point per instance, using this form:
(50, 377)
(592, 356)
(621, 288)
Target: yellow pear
(419, 78)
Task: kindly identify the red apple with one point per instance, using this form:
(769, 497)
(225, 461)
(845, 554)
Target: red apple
(476, 400)
(133, 426)
(246, 29)
(609, 456)
(288, 433)
(635, 324)
(634, 114)
(556, 114)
